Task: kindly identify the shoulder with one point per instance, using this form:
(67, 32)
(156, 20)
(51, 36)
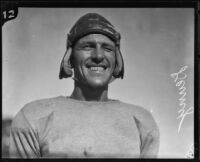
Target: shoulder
(142, 116)
(36, 109)
(136, 110)
(42, 106)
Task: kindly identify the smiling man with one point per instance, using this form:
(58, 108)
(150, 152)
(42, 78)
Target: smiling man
(86, 124)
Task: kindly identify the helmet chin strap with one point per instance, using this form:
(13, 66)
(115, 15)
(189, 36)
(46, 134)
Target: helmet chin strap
(75, 79)
(112, 79)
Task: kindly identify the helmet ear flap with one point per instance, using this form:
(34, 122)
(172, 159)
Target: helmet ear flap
(65, 66)
(119, 67)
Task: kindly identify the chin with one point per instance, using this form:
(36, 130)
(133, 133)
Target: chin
(97, 83)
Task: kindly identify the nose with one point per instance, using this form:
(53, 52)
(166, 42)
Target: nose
(98, 55)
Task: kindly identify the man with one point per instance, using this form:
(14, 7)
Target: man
(86, 124)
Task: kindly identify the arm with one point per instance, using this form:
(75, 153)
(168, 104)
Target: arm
(23, 139)
(150, 145)
(149, 135)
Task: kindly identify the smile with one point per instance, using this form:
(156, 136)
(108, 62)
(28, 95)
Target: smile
(93, 68)
(97, 68)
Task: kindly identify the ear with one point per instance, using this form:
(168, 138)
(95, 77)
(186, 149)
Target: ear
(119, 67)
(65, 66)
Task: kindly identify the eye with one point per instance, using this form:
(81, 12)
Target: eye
(86, 47)
(109, 48)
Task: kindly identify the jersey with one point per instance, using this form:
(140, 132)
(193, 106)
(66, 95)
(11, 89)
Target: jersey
(62, 127)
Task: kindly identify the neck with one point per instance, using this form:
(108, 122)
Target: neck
(84, 93)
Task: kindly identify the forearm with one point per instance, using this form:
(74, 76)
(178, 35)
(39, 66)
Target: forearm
(23, 140)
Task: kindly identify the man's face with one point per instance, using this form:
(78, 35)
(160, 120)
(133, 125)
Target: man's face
(93, 60)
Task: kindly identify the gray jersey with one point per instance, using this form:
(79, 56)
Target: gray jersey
(66, 128)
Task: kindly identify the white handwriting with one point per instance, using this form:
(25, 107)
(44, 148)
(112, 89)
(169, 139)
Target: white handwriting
(180, 82)
(190, 153)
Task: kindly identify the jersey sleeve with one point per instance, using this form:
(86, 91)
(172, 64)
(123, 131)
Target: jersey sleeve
(149, 135)
(23, 138)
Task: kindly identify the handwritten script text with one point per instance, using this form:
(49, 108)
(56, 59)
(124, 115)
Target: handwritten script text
(179, 79)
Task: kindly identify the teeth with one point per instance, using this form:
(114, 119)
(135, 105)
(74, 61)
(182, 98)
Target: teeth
(96, 68)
